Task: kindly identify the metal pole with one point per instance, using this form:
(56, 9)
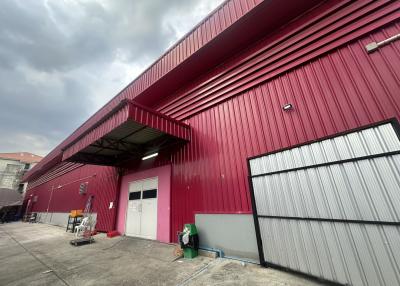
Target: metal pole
(51, 196)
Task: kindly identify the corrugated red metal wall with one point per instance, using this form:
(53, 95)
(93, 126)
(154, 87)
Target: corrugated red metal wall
(322, 30)
(334, 87)
(221, 19)
(318, 63)
(60, 169)
(102, 183)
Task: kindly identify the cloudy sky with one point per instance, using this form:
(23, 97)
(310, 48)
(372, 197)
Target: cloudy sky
(60, 61)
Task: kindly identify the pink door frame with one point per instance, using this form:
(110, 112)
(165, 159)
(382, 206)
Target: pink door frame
(163, 200)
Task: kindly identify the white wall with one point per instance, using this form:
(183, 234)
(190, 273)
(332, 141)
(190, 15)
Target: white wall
(9, 179)
(59, 219)
(234, 234)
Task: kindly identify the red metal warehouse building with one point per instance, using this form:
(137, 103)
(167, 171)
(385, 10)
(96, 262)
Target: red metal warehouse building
(276, 128)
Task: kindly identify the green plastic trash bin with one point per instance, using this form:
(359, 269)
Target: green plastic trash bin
(189, 241)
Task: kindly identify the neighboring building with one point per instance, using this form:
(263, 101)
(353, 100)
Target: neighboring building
(309, 87)
(13, 167)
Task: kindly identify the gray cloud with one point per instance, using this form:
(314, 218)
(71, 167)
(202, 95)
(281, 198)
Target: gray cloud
(61, 60)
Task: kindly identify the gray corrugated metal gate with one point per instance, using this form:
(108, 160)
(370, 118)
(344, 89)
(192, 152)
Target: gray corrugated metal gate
(331, 208)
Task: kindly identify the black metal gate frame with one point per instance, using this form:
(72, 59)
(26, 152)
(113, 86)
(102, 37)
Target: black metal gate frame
(266, 263)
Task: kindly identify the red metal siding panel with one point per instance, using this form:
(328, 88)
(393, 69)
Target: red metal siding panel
(102, 183)
(344, 89)
(318, 63)
(174, 56)
(297, 44)
(59, 170)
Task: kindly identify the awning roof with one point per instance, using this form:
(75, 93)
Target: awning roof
(127, 132)
(10, 197)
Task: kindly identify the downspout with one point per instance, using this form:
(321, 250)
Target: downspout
(120, 172)
(48, 205)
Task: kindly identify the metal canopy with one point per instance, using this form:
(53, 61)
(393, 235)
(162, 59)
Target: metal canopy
(129, 131)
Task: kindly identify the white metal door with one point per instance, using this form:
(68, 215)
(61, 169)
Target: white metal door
(134, 214)
(141, 218)
(149, 208)
(331, 208)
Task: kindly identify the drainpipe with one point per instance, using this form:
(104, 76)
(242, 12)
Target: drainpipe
(221, 254)
(120, 172)
(48, 205)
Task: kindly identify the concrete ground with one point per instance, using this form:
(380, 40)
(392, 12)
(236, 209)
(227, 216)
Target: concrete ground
(38, 254)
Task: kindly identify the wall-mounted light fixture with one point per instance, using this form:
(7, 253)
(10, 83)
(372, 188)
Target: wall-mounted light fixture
(83, 188)
(287, 107)
(371, 47)
(150, 156)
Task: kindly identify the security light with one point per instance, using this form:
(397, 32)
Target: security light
(150, 156)
(287, 107)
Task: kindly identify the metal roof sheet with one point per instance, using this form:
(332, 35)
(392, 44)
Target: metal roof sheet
(229, 28)
(128, 131)
(24, 157)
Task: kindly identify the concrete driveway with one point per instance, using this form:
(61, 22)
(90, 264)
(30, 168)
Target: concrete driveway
(38, 254)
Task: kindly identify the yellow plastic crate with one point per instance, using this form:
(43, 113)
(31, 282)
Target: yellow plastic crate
(75, 213)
